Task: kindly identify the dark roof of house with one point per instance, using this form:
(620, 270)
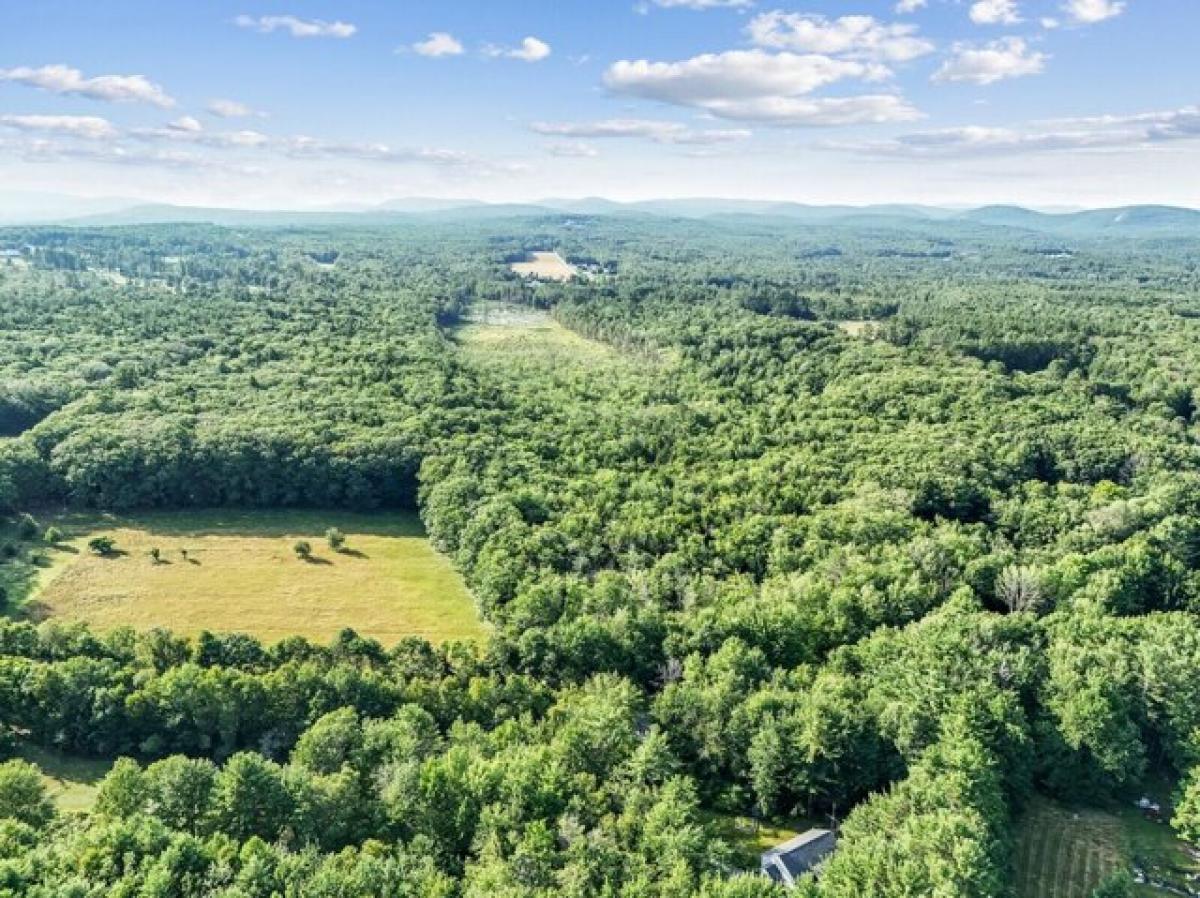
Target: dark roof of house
(798, 855)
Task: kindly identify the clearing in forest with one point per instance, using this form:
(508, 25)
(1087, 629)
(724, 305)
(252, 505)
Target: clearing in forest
(546, 266)
(70, 780)
(749, 837)
(514, 333)
(1065, 853)
(239, 571)
(860, 328)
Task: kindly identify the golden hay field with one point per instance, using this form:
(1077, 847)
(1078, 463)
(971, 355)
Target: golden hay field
(548, 266)
(241, 573)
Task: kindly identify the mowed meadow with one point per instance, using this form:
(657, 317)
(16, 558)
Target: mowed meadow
(239, 571)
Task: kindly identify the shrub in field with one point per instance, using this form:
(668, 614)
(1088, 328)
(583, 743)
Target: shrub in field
(101, 545)
(27, 527)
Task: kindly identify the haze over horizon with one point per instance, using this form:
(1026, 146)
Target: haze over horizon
(311, 105)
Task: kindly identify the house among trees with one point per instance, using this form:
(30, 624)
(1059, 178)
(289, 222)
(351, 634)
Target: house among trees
(799, 855)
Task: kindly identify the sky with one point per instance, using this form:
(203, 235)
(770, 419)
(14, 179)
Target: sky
(312, 104)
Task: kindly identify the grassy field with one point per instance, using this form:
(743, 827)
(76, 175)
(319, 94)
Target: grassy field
(1065, 853)
(241, 573)
(524, 337)
(71, 781)
(548, 266)
(533, 330)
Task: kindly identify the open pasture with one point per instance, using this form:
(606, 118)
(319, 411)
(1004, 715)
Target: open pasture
(239, 571)
(547, 266)
(509, 336)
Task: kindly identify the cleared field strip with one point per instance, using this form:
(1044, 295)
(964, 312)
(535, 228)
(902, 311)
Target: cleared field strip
(238, 571)
(547, 266)
(512, 336)
(1065, 854)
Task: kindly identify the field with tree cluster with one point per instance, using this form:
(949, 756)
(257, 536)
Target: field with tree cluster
(348, 561)
(249, 570)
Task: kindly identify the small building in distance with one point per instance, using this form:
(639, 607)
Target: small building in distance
(798, 855)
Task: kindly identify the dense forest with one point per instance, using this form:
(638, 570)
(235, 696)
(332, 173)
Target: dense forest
(896, 525)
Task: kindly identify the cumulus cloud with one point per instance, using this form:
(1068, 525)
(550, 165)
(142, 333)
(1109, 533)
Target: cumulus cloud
(753, 85)
(439, 43)
(1107, 132)
(1009, 57)
(531, 49)
(187, 124)
(1087, 12)
(296, 27)
(852, 36)
(995, 12)
(572, 149)
(229, 109)
(908, 6)
(62, 79)
(656, 130)
(713, 78)
(90, 127)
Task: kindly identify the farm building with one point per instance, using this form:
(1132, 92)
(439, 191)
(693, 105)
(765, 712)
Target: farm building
(797, 856)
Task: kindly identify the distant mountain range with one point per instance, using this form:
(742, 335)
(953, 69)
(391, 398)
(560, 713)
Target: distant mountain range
(1126, 221)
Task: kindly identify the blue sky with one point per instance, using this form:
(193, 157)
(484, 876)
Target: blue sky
(317, 103)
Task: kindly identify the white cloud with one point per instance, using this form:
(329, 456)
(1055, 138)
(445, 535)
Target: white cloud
(909, 6)
(1050, 23)
(61, 79)
(656, 130)
(88, 126)
(189, 130)
(44, 151)
(1009, 57)
(244, 139)
(995, 12)
(753, 85)
(439, 43)
(1108, 132)
(229, 109)
(186, 124)
(296, 27)
(712, 78)
(852, 36)
(1087, 12)
(868, 109)
(572, 149)
(304, 147)
(531, 50)
(184, 143)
